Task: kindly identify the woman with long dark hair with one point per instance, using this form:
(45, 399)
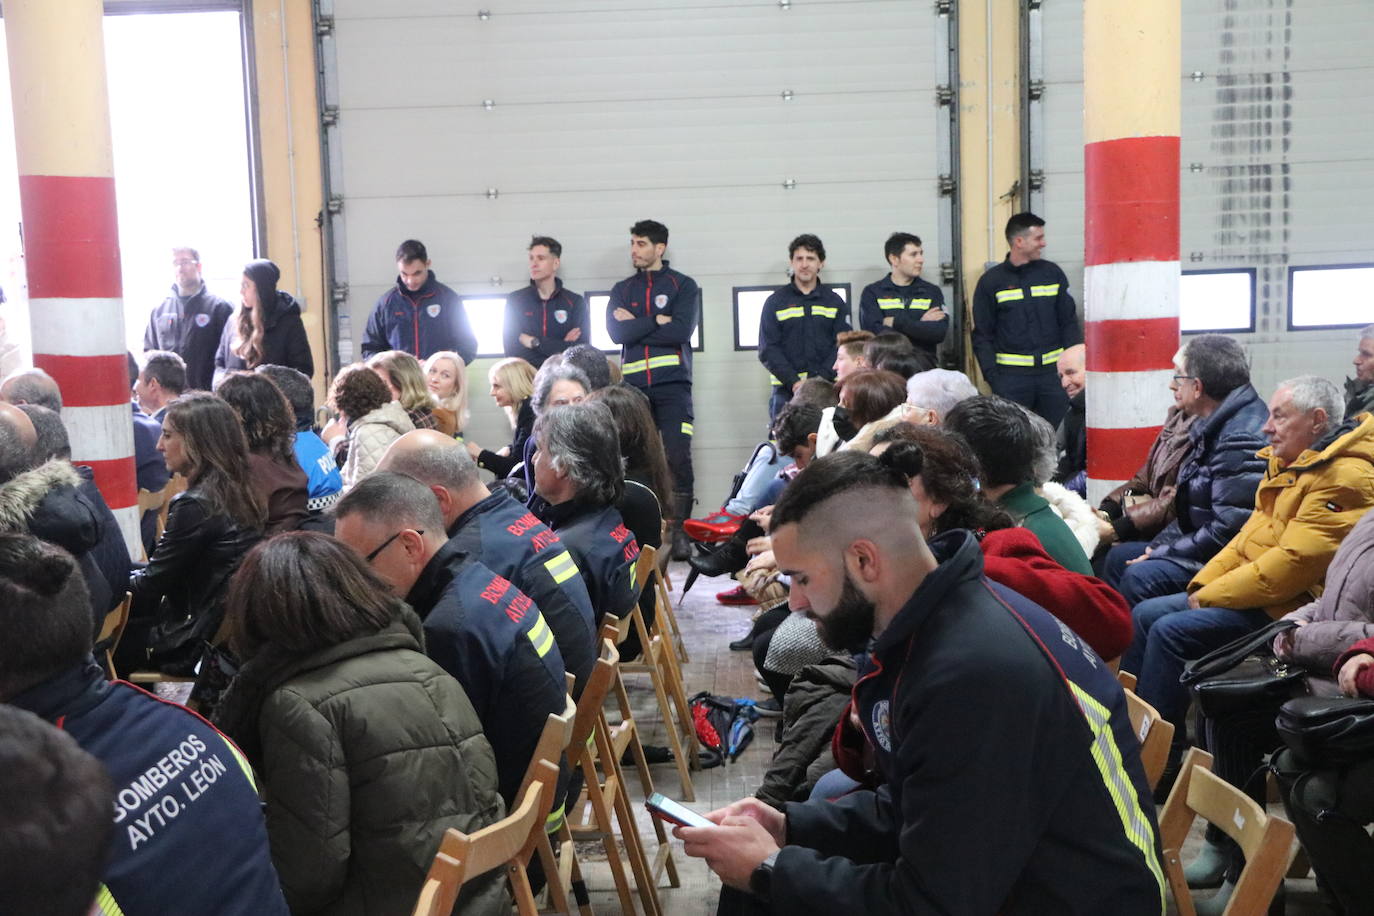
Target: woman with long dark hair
(269, 424)
(178, 596)
(368, 751)
(266, 328)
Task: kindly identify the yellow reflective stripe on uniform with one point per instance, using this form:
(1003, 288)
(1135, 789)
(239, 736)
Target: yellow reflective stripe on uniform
(890, 304)
(774, 379)
(920, 304)
(561, 567)
(1010, 295)
(1015, 359)
(638, 365)
(243, 762)
(1046, 289)
(1051, 356)
(540, 634)
(825, 311)
(105, 903)
(1112, 768)
(554, 820)
(687, 429)
(658, 362)
(795, 311)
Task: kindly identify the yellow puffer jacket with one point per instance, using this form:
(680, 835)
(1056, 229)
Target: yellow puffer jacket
(1302, 513)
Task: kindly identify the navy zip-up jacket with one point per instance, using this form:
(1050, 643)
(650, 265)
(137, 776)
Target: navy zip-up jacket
(190, 328)
(421, 323)
(547, 321)
(905, 305)
(491, 637)
(1023, 317)
(605, 551)
(978, 702)
(507, 539)
(797, 333)
(653, 353)
(189, 832)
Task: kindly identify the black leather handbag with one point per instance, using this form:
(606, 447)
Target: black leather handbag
(1328, 732)
(1245, 675)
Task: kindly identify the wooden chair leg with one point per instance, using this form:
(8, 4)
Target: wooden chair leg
(553, 880)
(684, 709)
(634, 848)
(605, 827)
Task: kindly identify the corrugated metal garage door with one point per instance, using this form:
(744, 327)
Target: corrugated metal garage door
(1277, 154)
(602, 112)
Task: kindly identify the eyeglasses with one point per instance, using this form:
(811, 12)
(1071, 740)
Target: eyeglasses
(1184, 378)
(184, 262)
(387, 543)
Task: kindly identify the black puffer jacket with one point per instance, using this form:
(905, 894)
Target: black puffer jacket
(368, 752)
(284, 342)
(50, 502)
(182, 587)
(1217, 483)
(817, 697)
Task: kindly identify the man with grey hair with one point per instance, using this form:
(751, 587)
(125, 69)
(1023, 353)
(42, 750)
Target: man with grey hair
(1216, 482)
(160, 382)
(478, 627)
(1320, 480)
(933, 393)
(506, 537)
(31, 386)
(1359, 390)
(579, 473)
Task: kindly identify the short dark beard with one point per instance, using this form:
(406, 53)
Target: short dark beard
(849, 626)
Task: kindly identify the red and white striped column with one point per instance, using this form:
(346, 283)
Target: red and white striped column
(71, 239)
(1131, 101)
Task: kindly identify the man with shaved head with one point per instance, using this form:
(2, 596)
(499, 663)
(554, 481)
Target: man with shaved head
(506, 537)
(975, 701)
(1072, 435)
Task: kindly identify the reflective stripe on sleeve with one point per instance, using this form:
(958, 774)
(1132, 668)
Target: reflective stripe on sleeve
(561, 567)
(541, 636)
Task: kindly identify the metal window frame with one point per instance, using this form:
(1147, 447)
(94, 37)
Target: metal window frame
(734, 306)
(1253, 273)
(1293, 270)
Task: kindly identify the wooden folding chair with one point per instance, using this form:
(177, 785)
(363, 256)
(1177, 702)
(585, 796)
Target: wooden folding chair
(1265, 840)
(112, 631)
(605, 803)
(1126, 679)
(510, 842)
(665, 620)
(1154, 734)
(659, 662)
(562, 871)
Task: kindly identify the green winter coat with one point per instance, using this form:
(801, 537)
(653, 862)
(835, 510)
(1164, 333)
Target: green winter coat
(367, 752)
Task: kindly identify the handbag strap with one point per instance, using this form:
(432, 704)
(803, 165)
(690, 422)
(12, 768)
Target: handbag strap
(1233, 653)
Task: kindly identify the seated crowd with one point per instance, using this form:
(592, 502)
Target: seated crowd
(377, 635)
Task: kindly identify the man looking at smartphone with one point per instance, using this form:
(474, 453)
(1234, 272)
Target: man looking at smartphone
(976, 703)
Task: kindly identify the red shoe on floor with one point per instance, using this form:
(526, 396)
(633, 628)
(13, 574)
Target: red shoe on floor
(735, 596)
(713, 529)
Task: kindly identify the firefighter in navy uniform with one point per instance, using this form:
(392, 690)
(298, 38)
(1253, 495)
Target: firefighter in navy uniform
(419, 314)
(544, 318)
(902, 301)
(1023, 319)
(652, 316)
(798, 325)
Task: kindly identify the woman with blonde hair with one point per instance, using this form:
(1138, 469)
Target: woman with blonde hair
(512, 385)
(446, 376)
(405, 379)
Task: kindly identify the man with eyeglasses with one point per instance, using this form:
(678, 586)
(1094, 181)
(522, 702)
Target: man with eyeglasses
(189, 322)
(1217, 481)
(477, 625)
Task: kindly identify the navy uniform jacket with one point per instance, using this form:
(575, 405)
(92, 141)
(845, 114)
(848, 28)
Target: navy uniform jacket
(604, 549)
(421, 323)
(491, 637)
(905, 305)
(653, 353)
(1024, 317)
(191, 330)
(549, 322)
(507, 539)
(1012, 778)
(797, 333)
(189, 833)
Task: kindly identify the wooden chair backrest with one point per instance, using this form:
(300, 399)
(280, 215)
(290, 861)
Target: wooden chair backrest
(175, 487)
(509, 841)
(593, 697)
(553, 741)
(1154, 734)
(644, 566)
(112, 631)
(1126, 679)
(1266, 841)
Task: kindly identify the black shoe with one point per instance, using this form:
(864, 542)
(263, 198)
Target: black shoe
(727, 558)
(743, 644)
(770, 708)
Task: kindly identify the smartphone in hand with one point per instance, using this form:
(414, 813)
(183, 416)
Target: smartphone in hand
(664, 808)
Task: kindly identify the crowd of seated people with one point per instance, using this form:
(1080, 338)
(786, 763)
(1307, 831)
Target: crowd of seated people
(919, 556)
